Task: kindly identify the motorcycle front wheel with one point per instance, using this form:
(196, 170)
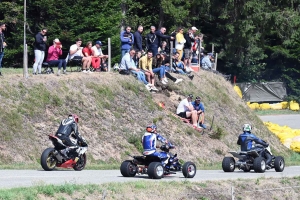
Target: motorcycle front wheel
(48, 159)
(80, 164)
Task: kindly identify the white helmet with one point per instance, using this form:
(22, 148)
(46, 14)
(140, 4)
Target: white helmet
(247, 127)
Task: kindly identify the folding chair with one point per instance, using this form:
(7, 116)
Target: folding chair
(47, 68)
(74, 63)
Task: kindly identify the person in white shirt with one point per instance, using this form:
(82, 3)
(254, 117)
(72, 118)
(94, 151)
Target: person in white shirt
(186, 110)
(97, 52)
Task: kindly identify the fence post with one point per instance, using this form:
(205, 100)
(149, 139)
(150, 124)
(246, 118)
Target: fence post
(216, 61)
(109, 55)
(232, 193)
(213, 48)
(171, 54)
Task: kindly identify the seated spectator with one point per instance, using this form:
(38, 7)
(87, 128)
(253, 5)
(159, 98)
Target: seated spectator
(206, 61)
(127, 64)
(179, 67)
(87, 52)
(76, 53)
(145, 63)
(199, 107)
(137, 57)
(164, 48)
(186, 110)
(54, 52)
(97, 53)
(166, 63)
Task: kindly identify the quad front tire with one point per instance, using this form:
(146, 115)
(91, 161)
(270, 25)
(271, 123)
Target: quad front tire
(128, 169)
(279, 164)
(155, 170)
(259, 164)
(228, 164)
(48, 159)
(189, 170)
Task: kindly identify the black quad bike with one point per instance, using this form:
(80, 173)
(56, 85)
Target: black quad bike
(153, 167)
(253, 160)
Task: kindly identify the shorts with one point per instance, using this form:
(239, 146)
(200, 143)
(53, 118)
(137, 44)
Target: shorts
(182, 115)
(187, 53)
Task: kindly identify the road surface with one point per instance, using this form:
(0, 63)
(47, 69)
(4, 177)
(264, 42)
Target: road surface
(292, 121)
(26, 178)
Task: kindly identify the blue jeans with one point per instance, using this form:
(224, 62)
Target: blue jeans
(123, 52)
(161, 71)
(140, 76)
(1, 57)
(60, 62)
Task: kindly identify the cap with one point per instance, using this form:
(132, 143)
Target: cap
(211, 54)
(194, 28)
(190, 96)
(56, 41)
(99, 42)
(198, 98)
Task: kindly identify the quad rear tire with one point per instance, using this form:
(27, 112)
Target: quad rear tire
(156, 170)
(80, 164)
(228, 164)
(189, 170)
(128, 169)
(279, 164)
(259, 165)
(48, 159)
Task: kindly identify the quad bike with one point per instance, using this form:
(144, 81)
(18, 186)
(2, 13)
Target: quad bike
(53, 157)
(254, 159)
(154, 168)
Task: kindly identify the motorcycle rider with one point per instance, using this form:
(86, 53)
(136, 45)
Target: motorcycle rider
(246, 141)
(149, 144)
(66, 128)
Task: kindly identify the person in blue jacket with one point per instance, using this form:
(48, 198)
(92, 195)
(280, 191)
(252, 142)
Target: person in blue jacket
(127, 40)
(149, 140)
(199, 107)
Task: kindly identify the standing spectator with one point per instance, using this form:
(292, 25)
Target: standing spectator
(152, 41)
(2, 44)
(97, 52)
(145, 64)
(127, 39)
(39, 50)
(190, 39)
(54, 52)
(186, 110)
(179, 42)
(161, 36)
(127, 63)
(138, 39)
(199, 107)
(87, 53)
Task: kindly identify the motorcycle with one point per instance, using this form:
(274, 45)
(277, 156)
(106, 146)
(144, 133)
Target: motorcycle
(254, 159)
(54, 157)
(154, 168)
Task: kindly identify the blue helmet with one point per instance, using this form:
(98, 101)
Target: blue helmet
(151, 128)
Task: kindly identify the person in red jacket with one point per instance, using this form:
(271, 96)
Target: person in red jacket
(54, 52)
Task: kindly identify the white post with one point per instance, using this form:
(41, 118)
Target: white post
(232, 193)
(109, 55)
(213, 48)
(216, 61)
(199, 51)
(171, 54)
(25, 62)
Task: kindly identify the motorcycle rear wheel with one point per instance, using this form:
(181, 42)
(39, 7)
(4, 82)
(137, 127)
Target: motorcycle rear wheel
(259, 165)
(189, 170)
(80, 164)
(48, 159)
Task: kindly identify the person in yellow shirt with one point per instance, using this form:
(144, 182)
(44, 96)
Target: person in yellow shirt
(145, 63)
(179, 43)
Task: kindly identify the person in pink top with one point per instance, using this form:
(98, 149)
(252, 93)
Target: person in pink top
(54, 52)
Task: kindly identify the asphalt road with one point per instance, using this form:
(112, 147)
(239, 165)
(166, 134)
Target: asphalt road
(292, 121)
(26, 178)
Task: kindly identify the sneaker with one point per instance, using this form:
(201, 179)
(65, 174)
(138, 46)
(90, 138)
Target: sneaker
(191, 77)
(178, 80)
(153, 88)
(58, 73)
(163, 82)
(148, 87)
(89, 71)
(65, 72)
(166, 80)
(84, 71)
(34, 74)
(1, 74)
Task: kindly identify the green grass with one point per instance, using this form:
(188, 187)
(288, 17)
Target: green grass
(275, 112)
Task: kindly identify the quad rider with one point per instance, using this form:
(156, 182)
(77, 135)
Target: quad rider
(246, 140)
(66, 129)
(149, 144)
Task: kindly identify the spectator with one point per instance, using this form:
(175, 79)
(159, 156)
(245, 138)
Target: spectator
(179, 42)
(152, 41)
(137, 58)
(160, 34)
(2, 44)
(206, 61)
(190, 39)
(39, 50)
(76, 53)
(127, 39)
(87, 53)
(145, 63)
(164, 48)
(166, 63)
(179, 67)
(138, 39)
(199, 107)
(54, 52)
(186, 110)
(97, 53)
(127, 64)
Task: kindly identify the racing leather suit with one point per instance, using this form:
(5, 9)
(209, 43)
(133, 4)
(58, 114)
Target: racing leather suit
(246, 141)
(149, 146)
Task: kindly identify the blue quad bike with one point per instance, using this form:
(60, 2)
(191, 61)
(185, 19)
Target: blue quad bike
(253, 160)
(153, 167)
